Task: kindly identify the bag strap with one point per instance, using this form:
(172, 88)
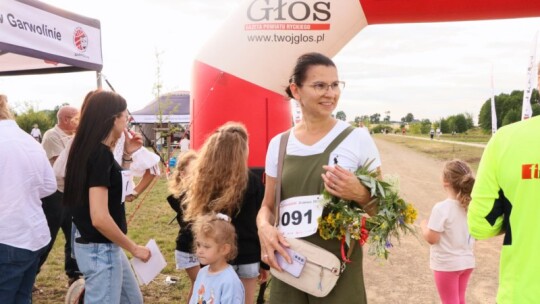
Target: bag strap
(281, 156)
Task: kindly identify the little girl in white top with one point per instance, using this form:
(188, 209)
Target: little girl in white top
(451, 253)
(215, 242)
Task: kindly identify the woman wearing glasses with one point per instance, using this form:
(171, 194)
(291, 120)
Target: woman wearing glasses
(321, 152)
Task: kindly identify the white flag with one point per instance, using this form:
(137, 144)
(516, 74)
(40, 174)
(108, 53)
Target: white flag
(493, 112)
(526, 110)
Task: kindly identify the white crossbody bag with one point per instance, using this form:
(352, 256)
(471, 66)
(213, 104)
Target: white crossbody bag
(317, 270)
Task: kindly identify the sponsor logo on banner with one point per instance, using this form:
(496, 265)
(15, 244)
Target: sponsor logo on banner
(282, 15)
(80, 39)
(262, 30)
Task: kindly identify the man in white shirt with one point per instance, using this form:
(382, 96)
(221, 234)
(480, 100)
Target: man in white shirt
(36, 133)
(54, 142)
(26, 176)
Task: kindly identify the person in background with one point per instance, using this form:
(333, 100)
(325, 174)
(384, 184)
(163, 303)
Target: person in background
(223, 183)
(215, 240)
(184, 142)
(36, 133)
(178, 185)
(451, 254)
(94, 186)
(506, 200)
(321, 153)
(54, 142)
(145, 164)
(26, 176)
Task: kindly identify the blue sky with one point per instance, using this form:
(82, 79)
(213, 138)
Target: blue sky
(431, 70)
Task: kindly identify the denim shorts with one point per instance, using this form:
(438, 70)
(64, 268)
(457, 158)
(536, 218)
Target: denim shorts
(247, 271)
(185, 260)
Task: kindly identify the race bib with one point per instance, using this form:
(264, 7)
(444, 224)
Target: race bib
(298, 216)
(127, 184)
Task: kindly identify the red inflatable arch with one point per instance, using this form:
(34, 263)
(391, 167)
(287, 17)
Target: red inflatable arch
(241, 73)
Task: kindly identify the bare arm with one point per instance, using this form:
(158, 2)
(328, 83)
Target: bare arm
(270, 238)
(147, 178)
(431, 236)
(103, 222)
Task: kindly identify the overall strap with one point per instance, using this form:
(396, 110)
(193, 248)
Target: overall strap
(333, 145)
(281, 157)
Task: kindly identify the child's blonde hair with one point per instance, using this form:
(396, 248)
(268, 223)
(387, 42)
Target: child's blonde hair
(215, 227)
(221, 177)
(178, 184)
(459, 175)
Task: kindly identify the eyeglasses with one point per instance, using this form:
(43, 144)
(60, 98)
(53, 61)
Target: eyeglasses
(322, 87)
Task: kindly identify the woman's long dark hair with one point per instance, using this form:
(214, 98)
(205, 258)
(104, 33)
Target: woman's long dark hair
(97, 120)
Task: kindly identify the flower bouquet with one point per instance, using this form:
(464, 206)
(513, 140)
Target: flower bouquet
(347, 221)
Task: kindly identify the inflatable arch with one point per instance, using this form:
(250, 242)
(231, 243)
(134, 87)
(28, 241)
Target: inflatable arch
(241, 73)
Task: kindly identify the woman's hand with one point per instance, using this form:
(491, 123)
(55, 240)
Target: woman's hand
(133, 141)
(263, 275)
(271, 241)
(142, 253)
(344, 184)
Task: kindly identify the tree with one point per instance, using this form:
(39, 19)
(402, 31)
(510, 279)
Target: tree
(425, 126)
(375, 118)
(445, 128)
(341, 115)
(469, 119)
(503, 104)
(408, 118)
(460, 123)
(387, 117)
(27, 119)
(511, 116)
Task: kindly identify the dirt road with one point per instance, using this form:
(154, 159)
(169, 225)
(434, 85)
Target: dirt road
(406, 277)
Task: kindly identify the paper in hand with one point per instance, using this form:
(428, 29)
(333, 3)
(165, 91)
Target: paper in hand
(146, 272)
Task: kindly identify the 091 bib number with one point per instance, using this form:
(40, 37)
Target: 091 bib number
(298, 215)
(295, 217)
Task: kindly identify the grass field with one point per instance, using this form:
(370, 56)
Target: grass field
(152, 218)
(439, 150)
(475, 135)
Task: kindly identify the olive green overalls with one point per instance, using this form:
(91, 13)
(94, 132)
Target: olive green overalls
(302, 176)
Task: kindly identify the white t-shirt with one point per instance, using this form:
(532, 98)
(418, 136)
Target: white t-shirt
(35, 132)
(454, 251)
(184, 145)
(352, 153)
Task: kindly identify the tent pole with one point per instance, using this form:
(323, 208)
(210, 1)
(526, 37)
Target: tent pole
(98, 79)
